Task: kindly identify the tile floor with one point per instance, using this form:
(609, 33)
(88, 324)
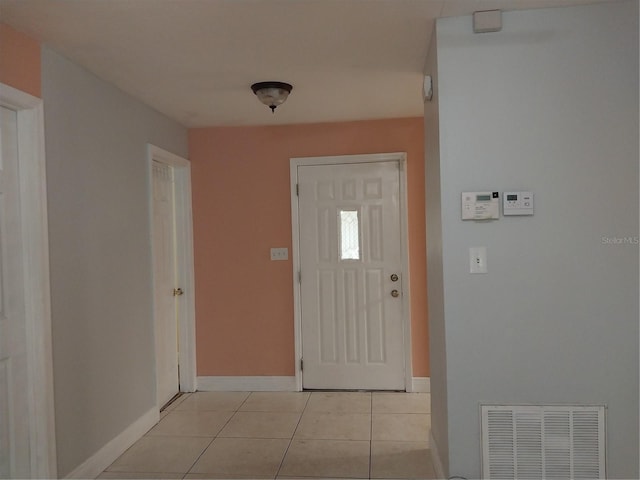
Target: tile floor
(285, 435)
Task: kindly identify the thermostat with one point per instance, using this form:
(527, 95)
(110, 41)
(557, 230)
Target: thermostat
(480, 205)
(517, 203)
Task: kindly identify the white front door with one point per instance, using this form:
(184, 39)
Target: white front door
(165, 282)
(14, 419)
(351, 278)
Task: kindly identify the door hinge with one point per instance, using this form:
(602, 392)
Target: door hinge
(301, 364)
(299, 276)
(297, 189)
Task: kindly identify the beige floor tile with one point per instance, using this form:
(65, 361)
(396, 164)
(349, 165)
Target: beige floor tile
(339, 402)
(283, 402)
(213, 401)
(326, 458)
(401, 460)
(401, 427)
(242, 456)
(140, 475)
(161, 454)
(401, 402)
(261, 425)
(334, 426)
(224, 476)
(193, 424)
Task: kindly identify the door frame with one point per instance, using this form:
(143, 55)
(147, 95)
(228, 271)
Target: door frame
(35, 243)
(184, 260)
(399, 157)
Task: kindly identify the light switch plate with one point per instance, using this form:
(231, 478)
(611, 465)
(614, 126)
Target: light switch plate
(477, 259)
(279, 254)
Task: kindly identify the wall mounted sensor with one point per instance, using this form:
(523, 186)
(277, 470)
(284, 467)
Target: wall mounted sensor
(427, 89)
(487, 21)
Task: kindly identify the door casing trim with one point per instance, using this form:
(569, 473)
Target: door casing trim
(35, 243)
(399, 157)
(185, 263)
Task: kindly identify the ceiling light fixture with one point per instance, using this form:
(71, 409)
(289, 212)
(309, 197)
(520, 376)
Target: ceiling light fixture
(272, 94)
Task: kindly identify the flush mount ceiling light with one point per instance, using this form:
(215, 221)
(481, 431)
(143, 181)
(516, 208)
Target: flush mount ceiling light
(272, 94)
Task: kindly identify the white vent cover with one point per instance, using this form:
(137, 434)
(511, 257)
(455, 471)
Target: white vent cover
(536, 442)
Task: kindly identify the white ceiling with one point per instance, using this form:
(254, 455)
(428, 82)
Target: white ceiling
(194, 60)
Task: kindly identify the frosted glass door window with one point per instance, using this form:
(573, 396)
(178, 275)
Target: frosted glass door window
(349, 235)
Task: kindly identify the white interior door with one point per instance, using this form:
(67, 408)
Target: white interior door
(14, 420)
(351, 279)
(165, 283)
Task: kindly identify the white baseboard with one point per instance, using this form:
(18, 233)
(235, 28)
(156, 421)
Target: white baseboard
(247, 384)
(421, 385)
(104, 457)
(276, 384)
(435, 457)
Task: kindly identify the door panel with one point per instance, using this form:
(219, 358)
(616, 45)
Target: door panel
(14, 420)
(164, 263)
(350, 245)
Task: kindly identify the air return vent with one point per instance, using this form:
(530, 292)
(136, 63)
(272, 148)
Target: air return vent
(536, 442)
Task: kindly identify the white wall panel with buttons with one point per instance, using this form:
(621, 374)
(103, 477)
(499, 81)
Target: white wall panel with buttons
(517, 203)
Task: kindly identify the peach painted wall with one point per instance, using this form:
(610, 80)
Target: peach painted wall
(19, 60)
(241, 208)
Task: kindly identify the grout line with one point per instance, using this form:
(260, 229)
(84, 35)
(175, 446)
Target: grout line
(293, 435)
(244, 401)
(198, 458)
(214, 437)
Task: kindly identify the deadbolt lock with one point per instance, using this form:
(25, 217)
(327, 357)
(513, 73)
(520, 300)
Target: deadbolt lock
(394, 277)
(177, 292)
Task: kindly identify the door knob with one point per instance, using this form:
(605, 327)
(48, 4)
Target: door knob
(395, 293)
(177, 292)
(394, 277)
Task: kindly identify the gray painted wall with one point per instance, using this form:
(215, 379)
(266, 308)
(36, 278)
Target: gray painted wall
(99, 231)
(549, 104)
